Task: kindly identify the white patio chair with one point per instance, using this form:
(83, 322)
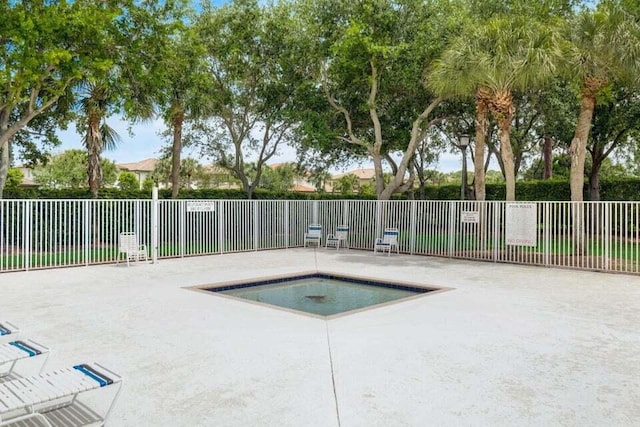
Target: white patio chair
(131, 248)
(388, 241)
(313, 235)
(338, 238)
(14, 352)
(55, 398)
(8, 331)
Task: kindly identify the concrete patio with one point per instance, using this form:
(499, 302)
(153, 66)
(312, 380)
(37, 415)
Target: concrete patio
(509, 345)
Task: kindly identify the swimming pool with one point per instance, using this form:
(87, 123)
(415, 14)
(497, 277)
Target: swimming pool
(320, 294)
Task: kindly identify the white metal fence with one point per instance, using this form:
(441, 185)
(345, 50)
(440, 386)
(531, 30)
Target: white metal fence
(38, 234)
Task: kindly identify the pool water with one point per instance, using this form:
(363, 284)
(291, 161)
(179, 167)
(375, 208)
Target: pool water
(320, 295)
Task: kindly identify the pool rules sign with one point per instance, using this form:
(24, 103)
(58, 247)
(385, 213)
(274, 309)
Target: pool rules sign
(521, 221)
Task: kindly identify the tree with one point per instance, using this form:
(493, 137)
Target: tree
(127, 181)
(278, 178)
(129, 85)
(615, 121)
(605, 48)
(46, 48)
(346, 184)
(503, 55)
(98, 135)
(148, 184)
(252, 80)
(69, 170)
(14, 178)
(181, 86)
(371, 57)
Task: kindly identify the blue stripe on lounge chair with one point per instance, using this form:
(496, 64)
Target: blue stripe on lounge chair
(4, 330)
(26, 348)
(101, 379)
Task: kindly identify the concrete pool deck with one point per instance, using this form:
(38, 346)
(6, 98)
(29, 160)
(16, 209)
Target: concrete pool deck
(509, 345)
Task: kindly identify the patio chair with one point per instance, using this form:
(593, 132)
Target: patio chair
(131, 248)
(8, 331)
(55, 398)
(388, 241)
(14, 352)
(313, 235)
(338, 238)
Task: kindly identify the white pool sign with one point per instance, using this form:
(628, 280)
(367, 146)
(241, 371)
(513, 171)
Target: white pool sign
(201, 206)
(470, 217)
(521, 222)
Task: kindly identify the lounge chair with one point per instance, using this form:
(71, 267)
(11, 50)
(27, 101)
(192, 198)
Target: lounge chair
(54, 398)
(131, 248)
(14, 352)
(388, 241)
(339, 237)
(313, 235)
(8, 331)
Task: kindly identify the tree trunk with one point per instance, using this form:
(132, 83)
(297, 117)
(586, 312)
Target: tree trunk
(482, 124)
(594, 177)
(176, 149)
(94, 149)
(547, 155)
(4, 165)
(506, 153)
(578, 149)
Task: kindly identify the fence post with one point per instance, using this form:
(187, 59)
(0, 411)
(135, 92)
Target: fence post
(378, 219)
(154, 225)
(452, 221)
(414, 226)
(26, 235)
(497, 225)
(86, 232)
(286, 224)
(255, 225)
(606, 238)
(220, 226)
(314, 213)
(547, 233)
(182, 221)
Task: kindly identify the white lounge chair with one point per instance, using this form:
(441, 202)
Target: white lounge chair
(54, 398)
(388, 241)
(339, 237)
(14, 352)
(129, 246)
(313, 235)
(8, 331)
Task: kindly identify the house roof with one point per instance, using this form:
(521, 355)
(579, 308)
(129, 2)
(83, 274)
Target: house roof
(146, 165)
(368, 173)
(304, 188)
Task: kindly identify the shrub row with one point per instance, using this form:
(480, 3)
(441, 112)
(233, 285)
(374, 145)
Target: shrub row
(618, 190)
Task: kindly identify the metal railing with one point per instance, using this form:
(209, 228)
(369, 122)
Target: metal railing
(603, 236)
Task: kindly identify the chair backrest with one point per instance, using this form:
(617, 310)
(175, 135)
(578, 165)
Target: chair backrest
(128, 242)
(342, 231)
(314, 230)
(390, 236)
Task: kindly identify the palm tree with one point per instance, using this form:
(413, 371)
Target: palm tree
(491, 62)
(98, 136)
(605, 47)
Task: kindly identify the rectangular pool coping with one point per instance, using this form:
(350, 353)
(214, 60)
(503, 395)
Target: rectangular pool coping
(216, 289)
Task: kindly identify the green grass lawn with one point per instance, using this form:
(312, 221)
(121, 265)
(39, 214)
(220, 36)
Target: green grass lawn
(425, 243)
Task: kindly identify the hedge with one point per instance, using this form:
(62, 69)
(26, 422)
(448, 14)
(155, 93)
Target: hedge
(614, 190)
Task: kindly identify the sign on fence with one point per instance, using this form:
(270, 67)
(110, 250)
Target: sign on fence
(201, 206)
(470, 217)
(521, 221)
